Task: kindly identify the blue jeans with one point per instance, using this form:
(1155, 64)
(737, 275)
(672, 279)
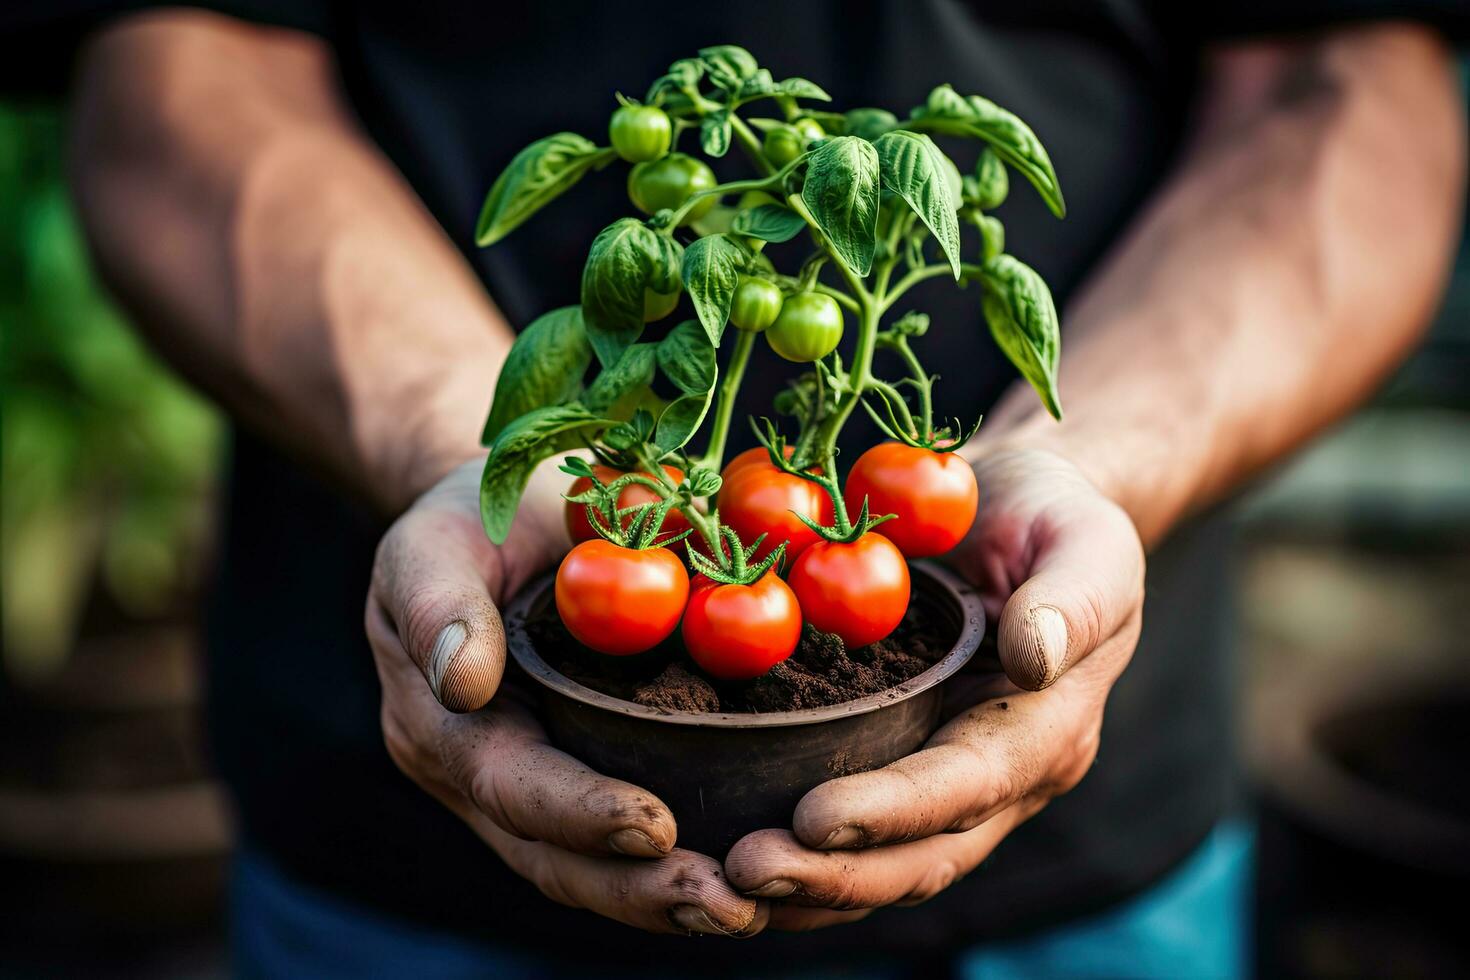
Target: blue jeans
(1192, 924)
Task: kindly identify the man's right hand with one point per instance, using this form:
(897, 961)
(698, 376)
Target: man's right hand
(584, 839)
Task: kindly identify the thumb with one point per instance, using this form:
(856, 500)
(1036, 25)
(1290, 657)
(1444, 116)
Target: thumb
(432, 580)
(1086, 581)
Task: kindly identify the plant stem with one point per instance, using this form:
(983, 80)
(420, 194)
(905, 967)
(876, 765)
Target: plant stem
(860, 378)
(725, 405)
(700, 521)
(923, 382)
(968, 270)
(750, 144)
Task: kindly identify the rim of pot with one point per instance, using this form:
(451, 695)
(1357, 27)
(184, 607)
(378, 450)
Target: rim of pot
(972, 631)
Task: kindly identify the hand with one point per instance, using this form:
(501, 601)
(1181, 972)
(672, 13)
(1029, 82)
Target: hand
(585, 840)
(1060, 568)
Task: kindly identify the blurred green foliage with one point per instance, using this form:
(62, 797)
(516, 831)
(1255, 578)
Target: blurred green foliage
(107, 462)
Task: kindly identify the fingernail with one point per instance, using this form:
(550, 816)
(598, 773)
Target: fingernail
(844, 836)
(446, 645)
(633, 843)
(1046, 631)
(692, 918)
(780, 888)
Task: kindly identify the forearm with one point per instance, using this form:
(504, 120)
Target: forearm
(1289, 265)
(274, 256)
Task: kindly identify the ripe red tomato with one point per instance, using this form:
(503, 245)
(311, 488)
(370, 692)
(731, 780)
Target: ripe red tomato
(633, 495)
(933, 494)
(858, 591)
(737, 632)
(620, 601)
(756, 498)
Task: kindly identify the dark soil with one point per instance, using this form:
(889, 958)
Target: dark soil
(821, 672)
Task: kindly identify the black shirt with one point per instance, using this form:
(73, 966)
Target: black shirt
(451, 90)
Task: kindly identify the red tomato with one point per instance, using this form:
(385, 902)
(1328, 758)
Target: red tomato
(933, 494)
(858, 591)
(737, 632)
(633, 495)
(620, 601)
(757, 498)
(766, 501)
(758, 456)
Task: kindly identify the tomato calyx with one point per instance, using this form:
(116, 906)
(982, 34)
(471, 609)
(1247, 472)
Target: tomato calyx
(636, 528)
(736, 568)
(843, 530)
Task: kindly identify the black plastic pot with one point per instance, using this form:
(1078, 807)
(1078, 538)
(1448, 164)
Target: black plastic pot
(725, 775)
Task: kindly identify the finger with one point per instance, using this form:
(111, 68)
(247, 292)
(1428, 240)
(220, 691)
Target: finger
(976, 765)
(801, 918)
(1086, 580)
(430, 579)
(684, 892)
(497, 763)
(774, 864)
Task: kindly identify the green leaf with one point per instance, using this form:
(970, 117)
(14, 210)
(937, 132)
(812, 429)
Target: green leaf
(627, 258)
(714, 133)
(991, 181)
(729, 59)
(757, 85)
(712, 267)
(992, 237)
(769, 222)
(800, 88)
(869, 123)
(1013, 141)
(687, 358)
(914, 168)
(833, 123)
(632, 372)
(522, 444)
(537, 175)
(545, 366)
(1023, 320)
(682, 74)
(841, 192)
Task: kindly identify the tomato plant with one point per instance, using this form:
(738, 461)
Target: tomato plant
(838, 216)
(737, 632)
(932, 495)
(857, 589)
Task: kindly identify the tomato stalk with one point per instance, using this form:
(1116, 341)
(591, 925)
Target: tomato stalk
(707, 526)
(725, 404)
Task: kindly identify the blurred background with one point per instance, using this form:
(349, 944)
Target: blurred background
(1353, 580)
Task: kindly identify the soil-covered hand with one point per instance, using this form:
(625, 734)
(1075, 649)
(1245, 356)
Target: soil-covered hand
(1060, 568)
(584, 839)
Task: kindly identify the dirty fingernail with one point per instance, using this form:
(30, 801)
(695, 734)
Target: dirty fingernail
(633, 843)
(1046, 629)
(844, 836)
(694, 919)
(446, 645)
(780, 888)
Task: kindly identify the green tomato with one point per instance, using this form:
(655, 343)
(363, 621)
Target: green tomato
(656, 306)
(782, 145)
(669, 182)
(810, 130)
(756, 304)
(808, 327)
(640, 132)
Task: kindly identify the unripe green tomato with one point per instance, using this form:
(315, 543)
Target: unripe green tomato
(782, 145)
(810, 130)
(808, 327)
(640, 132)
(656, 306)
(756, 304)
(668, 183)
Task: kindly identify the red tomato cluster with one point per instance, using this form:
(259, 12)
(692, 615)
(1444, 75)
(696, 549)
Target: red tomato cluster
(623, 601)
